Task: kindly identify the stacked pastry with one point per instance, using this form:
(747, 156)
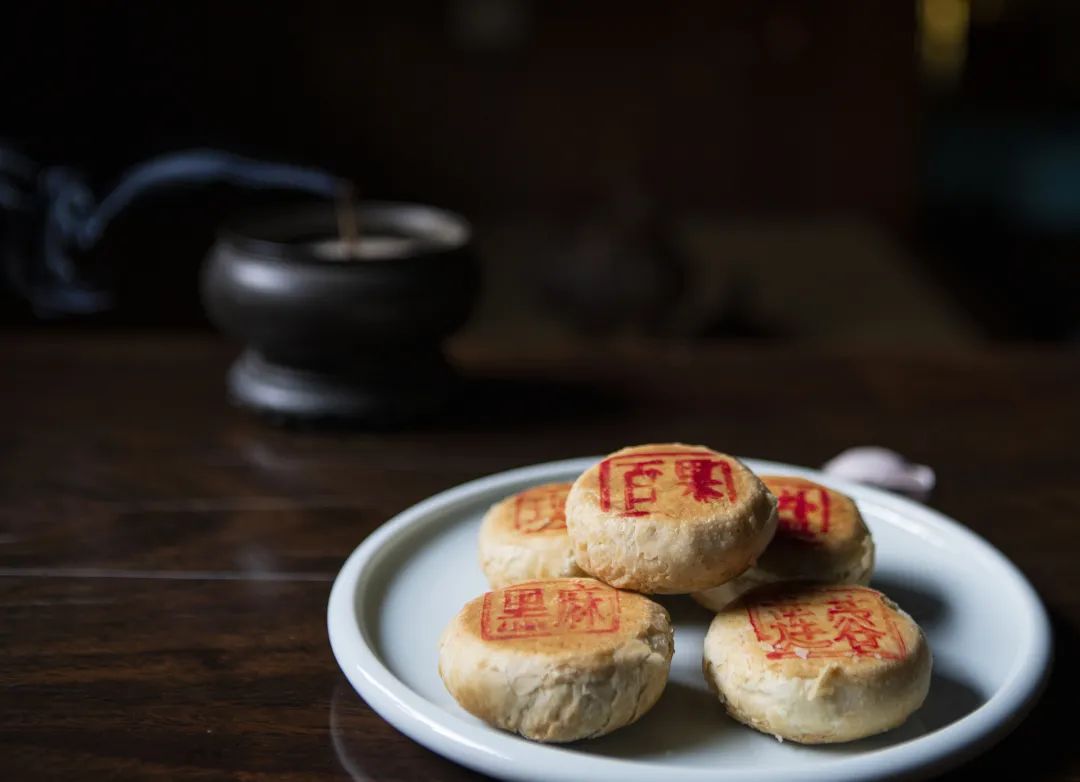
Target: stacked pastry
(568, 647)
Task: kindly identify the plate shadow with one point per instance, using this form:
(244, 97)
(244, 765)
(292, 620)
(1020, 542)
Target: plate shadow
(684, 610)
(927, 608)
(683, 718)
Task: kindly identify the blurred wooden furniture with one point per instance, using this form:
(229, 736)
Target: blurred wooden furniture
(824, 281)
(165, 560)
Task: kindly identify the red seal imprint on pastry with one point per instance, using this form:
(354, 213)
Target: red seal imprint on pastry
(830, 622)
(802, 509)
(628, 483)
(542, 509)
(540, 610)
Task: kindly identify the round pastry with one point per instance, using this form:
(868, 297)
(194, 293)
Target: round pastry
(523, 537)
(817, 663)
(557, 660)
(820, 537)
(668, 519)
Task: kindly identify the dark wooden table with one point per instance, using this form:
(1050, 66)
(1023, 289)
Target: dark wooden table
(165, 560)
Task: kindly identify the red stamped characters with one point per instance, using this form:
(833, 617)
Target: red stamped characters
(628, 483)
(802, 508)
(522, 611)
(834, 622)
(540, 609)
(797, 627)
(541, 509)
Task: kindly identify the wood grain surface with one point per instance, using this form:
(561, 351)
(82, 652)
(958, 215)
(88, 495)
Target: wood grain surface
(165, 559)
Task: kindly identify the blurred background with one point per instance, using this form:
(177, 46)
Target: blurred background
(878, 172)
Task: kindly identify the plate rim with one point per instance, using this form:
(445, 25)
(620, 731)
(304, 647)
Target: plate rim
(507, 756)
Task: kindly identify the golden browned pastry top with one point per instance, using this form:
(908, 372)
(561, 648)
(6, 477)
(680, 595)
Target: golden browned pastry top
(559, 614)
(820, 531)
(539, 510)
(670, 481)
(800, 628)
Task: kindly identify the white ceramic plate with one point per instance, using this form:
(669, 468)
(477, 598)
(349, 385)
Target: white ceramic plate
(987, 628)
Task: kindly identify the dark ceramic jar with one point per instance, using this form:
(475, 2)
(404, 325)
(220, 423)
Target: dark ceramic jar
(338, 331)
